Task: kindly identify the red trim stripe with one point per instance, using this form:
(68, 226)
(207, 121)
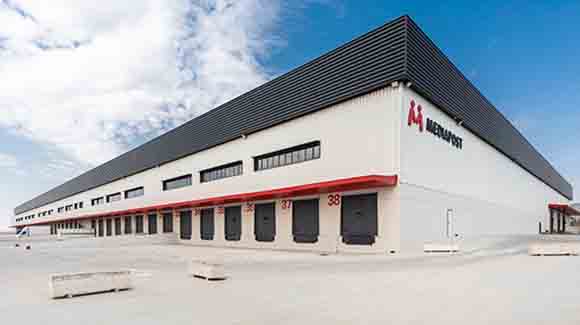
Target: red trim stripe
(339, 185)
(568, 209)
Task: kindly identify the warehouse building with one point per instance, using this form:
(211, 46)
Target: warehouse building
(378, 146)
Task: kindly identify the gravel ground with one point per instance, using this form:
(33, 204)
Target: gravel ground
(492, 281)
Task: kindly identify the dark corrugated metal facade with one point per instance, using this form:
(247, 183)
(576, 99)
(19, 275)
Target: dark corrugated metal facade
(398, 50)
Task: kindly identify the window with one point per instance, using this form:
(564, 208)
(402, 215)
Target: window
(76, 206)
(97, 201)
(68, 207)
(289, 156)
(136, 192)
(224, 171)
(177, 182)
(113, 197)
(80, 205)
(60, 210)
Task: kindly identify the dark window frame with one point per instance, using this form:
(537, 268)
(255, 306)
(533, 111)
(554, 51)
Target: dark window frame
(186, 176)
(109, 196)
(141, 190)
(206, 176)
(288, 156)
(97, 201)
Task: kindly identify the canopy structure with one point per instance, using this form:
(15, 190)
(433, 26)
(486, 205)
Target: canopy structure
(558, 214)
(568, 209)
(338, 185)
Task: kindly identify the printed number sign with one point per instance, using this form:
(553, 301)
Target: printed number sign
(333, 199)
(286, 204)
(249, 207)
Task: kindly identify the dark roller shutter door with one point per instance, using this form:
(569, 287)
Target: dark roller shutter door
(139, 224)
(94, 226)
(305, 221)
(117, 226)
(185, 225)
(109, 224)
(128, 227)
(152, 224)
(265, 222)
(206, 225)
(359, 219)
(233, 216)
(100, 223)
(168, 222)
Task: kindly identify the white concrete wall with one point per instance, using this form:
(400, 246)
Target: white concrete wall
(358, 137)
(489, 193)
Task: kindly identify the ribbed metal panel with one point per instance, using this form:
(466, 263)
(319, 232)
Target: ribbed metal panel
(365, 64)
(436, 78)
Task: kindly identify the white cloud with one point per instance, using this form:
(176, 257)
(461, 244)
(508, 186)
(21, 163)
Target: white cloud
(8, 161)
(90, 79)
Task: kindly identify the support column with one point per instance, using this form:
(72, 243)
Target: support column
(219, 224)
(563, 221)
(146, 223)
(176, 223)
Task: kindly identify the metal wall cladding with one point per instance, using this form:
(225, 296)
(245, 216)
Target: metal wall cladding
(436, 78)
(396, 51)
(365, 64)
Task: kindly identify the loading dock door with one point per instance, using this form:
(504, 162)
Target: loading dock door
(139, 224)
(359, 219)
(305, 221)
(206, 224)
(117, 226)
(168, 222)
(265, 222)
(128, 229)
(233, 216)
(185, 225)
(100, 228)
(152, 223)
(109, 224)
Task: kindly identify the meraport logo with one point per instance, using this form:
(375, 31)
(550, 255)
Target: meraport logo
(415, 115)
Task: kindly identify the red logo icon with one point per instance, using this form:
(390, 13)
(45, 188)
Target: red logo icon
(415, 115)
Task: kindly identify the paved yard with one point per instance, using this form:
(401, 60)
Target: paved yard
(492, 282)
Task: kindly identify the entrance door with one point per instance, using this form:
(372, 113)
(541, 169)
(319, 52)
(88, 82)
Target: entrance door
(206, 224)
(185, 225)
(233, 217)
(152, 224)
(265, 222)
(305, 221)
(359, 219)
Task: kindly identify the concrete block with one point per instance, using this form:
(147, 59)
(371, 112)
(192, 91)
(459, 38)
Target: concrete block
(74, 232)
(441, 247)
(552, 249)
(73, 284)
(206, 270)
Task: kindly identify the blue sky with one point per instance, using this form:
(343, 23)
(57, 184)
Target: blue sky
(84, 85)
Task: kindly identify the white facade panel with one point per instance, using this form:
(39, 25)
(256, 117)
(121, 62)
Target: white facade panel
(358, 137)
(488, 193)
